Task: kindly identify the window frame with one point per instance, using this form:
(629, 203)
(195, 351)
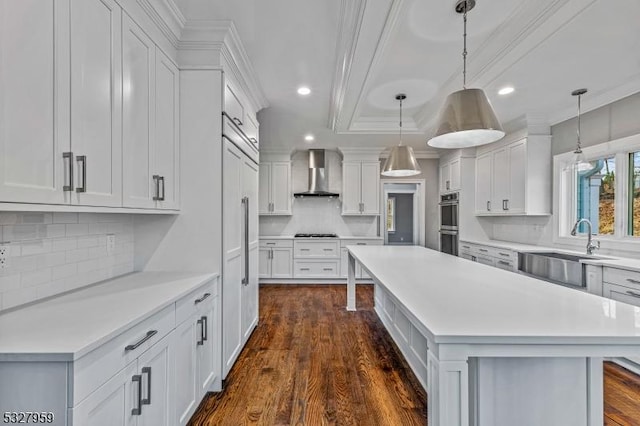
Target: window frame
(565, 190)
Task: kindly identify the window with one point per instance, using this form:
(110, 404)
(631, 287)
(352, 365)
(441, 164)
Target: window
(607, 194)
(595, 196)
(391, 214)
(634, 194)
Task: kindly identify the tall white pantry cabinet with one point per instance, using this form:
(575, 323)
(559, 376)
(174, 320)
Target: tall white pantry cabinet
(87, 114)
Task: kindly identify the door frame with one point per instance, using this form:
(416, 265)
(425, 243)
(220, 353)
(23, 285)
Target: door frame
(418, 207)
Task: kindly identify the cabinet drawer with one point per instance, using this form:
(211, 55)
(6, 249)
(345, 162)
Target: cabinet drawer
(320, 269)
(503, 254)
(350, 242)
(621, 293)
(232, 105)
(316, 249)
(487, 260)
(276, 243)
(199, 298)
(505, 264)
(621, 277)
(99, 365)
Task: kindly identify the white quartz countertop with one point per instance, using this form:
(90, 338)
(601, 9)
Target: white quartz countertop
(67, 327)
(598, 259)
(459, 301)
(339, 237)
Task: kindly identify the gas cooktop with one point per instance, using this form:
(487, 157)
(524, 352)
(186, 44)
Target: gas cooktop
(316, 236)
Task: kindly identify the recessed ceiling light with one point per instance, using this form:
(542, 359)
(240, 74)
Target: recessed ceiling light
(304, 90)
(506, 90)
(309, 138)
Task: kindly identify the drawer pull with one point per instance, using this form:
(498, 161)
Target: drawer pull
(465, 247)
(502, 262)
(327, 249)
(633, 293)
(148, 336)
(631, 280)
(361, 244)
(304, 269)
(204, 296)
(200, 322)
(303, 249)
(503, 254)
(147, 400)
(237, 121)
(138, 410)
(483, 250)
(271, 244)
(327, 269)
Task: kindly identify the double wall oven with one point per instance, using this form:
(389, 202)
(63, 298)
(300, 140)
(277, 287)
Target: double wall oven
(449, 223)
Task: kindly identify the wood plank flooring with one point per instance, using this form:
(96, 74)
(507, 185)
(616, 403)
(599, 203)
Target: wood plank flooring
(310, 362)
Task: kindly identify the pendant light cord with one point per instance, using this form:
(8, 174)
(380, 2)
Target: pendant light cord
(464, 50)
(578, 131)
(400, 122)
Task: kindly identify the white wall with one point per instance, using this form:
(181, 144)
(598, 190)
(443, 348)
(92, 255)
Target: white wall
(52, 253)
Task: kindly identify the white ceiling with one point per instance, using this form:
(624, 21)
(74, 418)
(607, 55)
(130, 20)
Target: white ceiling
(356, 55)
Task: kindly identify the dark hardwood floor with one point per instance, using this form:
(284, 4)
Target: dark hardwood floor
(310, 362)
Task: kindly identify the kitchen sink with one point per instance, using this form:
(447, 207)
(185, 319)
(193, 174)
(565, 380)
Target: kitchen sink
(556, 267)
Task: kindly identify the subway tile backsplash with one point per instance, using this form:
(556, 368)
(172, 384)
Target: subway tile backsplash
(51, 253)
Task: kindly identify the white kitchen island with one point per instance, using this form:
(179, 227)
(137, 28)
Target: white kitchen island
(495, 348)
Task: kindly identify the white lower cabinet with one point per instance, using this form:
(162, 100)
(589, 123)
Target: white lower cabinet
(623, 286)
(344, 256)
(488, 255)
(275, 259)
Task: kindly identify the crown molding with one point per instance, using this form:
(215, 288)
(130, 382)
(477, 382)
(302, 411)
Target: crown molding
(352, 13)
(216, 43)
(166, 16)
(360, 153)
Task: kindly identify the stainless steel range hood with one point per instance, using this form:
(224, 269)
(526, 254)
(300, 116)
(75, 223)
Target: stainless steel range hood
(318, 179)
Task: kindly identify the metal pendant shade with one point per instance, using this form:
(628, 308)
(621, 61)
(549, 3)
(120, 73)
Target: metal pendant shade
(402, 161)
(467, 118)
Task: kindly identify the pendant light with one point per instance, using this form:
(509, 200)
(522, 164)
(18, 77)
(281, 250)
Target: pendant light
(580, 163)
(401, 161)
(467, 118)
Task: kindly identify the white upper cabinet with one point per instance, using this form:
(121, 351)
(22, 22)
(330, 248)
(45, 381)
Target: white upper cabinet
(360, 188)
(514, 178)
(34, 60)
(233, 105)
(138, 112)
(275, 188)
(450, 176)
(167, 147)
(96, 102)
(106, 102)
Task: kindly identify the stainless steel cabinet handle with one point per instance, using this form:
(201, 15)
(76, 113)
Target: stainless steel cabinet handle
(327, 269)
(488, 206)
(68, 157)
(502, 262)
(271, 254)
(83, 172)
(465, 247)
(254, 140)
(483, 250)
(237, 121)
(245, 203)
(631, 280)
(361, 244)
(304, 269)
(146, 337)
(448, 184)
(161, 179)
(204, 296)
(156, 184)
(505, 204)
(138, 410)
(503, 254)
(200, 340)
(271, 244)
(205, 330)
(304, 249)
(633, 293)
(147, 400)
(327, 249)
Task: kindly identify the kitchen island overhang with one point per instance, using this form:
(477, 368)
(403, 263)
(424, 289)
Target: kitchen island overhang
(492, 347)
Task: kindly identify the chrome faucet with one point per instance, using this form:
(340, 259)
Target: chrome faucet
(591, 243)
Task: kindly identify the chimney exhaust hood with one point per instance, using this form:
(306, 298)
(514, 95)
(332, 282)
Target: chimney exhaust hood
(318, 179)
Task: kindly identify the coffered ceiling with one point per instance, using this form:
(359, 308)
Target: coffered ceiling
(356, 55)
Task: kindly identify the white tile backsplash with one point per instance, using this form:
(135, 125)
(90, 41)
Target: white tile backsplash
(51, 253)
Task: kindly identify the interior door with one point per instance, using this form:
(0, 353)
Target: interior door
(250, 290)
(34, 60)
(138, 115)
(233, 266)
(96, 90)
